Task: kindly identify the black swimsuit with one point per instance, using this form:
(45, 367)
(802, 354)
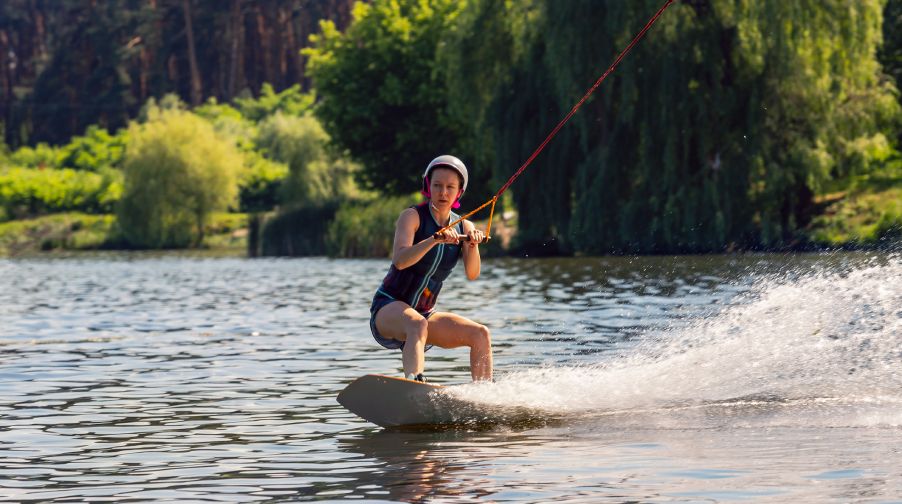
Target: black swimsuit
(419, 284)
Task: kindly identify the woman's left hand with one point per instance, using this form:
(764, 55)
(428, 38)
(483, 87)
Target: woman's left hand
(476, 236)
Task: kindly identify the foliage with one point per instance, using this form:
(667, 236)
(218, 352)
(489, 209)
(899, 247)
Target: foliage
(292, 101)
(299, 231)
(71, 231)
(93, 151)
(85, 62)
(71, 63)
(226, 230)
(732, 124)
(79, 231)
(229, 123)
(890, 54)
(29, 192)
(365, 228)
(316, 174)
(870, 214)
(4, 149)
(381, 94)
(260, 183)
(177, 171)
(719, 127)
(152, 108)
(39, 156)
(271, 121)
(474, 65)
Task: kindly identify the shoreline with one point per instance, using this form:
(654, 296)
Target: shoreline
(228, 235)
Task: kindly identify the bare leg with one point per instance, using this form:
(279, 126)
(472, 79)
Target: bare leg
(448, 330)
(399, 321)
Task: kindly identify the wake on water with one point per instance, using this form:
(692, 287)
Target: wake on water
(823, 348)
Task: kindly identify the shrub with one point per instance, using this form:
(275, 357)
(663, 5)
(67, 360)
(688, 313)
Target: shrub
(298, 232)
(177, 171)
(365, 228)
(39, 156)
(71, 231)
(291, 101)
(315, 174)
(94, 151)
(260, 183)
(228, 123)
(29, 192)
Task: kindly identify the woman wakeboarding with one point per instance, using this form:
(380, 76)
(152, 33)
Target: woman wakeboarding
(403, 313)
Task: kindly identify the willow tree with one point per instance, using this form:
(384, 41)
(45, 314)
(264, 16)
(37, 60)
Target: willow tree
(316, 174)
(177, 172)
(498, 93)
(890, 54)
(381, 97)
(718, 128)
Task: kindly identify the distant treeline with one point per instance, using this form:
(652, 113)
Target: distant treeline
(69, 64)
(171, 170)
(732, 125)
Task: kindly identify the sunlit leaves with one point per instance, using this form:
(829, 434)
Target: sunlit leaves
(177, 172)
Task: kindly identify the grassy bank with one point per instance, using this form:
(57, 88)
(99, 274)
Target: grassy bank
(867, 214)
(79, 231)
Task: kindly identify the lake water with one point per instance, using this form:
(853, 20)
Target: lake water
(773, 378)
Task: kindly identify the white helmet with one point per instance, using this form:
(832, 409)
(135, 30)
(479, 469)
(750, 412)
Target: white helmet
(446, 161)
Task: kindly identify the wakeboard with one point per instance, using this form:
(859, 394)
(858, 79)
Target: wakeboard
(389, 402)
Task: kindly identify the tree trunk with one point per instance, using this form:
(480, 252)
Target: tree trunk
(293, 70)
(42, 54)
(196, 88)
(265, 41)
(236, 27)
(6, 76)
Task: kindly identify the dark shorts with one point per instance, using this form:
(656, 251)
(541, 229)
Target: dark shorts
(380, 300)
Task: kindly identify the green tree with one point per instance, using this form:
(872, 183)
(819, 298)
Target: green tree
(291, 101)
(28, 192)
(316, 174)
(39, 156)
(177, 171)
(890, 53)
(71, 63)
(381, 95)
(85, 81)
(260, 183)
(718, 128)
(94, 151)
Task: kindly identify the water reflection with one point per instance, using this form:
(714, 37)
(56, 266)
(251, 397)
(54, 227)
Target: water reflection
(135, 377)
(409, 467)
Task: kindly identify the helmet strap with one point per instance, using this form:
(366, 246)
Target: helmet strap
(425, 191)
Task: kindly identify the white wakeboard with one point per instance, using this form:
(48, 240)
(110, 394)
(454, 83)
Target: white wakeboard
(388, 401)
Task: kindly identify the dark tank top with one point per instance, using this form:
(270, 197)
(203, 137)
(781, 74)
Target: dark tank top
(418, 285)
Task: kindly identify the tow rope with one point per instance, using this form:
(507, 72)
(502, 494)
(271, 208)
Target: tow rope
(557, 128)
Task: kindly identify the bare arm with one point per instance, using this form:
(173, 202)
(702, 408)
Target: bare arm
(406, 253)
(472, 261)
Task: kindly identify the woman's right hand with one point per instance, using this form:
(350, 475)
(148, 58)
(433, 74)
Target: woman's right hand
(448, 237)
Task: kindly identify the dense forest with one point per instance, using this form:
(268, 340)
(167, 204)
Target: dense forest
(68, 64)
(734, 124)
(729, 125)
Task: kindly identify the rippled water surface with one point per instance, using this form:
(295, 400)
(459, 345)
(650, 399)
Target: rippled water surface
(667, 379)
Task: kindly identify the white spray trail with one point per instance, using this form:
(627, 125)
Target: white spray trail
(826, 336)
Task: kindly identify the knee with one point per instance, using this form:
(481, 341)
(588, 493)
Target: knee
(418, 328)
(482, 337)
